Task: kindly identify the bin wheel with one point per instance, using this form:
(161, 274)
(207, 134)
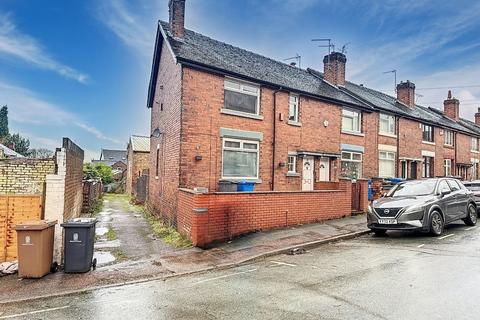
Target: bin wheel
(94, 263)
(54, 267)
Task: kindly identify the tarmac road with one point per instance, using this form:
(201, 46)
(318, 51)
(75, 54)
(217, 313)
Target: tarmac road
(400, 276)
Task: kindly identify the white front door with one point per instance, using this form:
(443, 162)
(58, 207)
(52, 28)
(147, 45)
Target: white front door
(307, 174)
(324, 173)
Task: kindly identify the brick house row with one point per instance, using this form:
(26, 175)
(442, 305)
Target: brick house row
(223, 114)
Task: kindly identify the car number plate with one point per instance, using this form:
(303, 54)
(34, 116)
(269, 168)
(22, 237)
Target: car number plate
(387, 221)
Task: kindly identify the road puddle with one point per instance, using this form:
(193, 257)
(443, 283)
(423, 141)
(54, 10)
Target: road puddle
(103, 257)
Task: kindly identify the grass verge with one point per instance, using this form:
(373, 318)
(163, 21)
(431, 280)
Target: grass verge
(167, 233)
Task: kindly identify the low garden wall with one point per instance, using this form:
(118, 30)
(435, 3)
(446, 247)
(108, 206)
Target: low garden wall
(213, 217)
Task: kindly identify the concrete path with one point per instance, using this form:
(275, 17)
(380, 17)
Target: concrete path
(400, 276)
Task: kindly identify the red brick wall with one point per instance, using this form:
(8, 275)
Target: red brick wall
(73, 179)
(138, 162)
(207, 218)
(163, 189)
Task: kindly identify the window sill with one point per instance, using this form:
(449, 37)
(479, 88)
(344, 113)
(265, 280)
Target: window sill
(428, 142)
(353, 133)
(292, 174)
(156, 177)
(474, 151)
(235, 180)
(449, 146)
(241, 114)
(386, 134)
(294, 123)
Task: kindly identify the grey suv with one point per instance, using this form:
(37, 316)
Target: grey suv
(425, 205)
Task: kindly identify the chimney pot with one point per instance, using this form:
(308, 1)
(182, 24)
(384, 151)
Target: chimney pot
(334, 68)
(451, 107)
(477, 117)
(406, 93)
(176, 10)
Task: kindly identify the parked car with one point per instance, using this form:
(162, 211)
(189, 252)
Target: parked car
(474, 186)
(425, 205)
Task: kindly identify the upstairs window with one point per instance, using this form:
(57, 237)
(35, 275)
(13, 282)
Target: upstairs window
(448, 138)
(351, 120)
(387, 124)
(293, 108)
(427, 133)
(474, 144)
(241, 96)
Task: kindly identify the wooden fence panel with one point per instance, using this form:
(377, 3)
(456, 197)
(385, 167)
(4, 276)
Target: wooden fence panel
(13, 210)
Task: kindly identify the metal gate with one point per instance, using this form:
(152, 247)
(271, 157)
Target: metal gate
(13, 210)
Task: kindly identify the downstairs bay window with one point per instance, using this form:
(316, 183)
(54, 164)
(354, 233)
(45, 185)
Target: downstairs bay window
(240, 159)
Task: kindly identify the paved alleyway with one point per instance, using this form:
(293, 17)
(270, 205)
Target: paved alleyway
(400, 276)
(131, 235)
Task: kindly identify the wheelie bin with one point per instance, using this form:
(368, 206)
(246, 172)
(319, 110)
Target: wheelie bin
(79, 239)
(35, 248)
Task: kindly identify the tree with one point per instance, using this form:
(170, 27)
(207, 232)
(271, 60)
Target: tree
(40, 153)
(18, 143)
(3, 124)
(98, 170)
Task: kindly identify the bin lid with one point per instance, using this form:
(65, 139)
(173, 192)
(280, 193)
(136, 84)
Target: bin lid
(35, 225)
(80, 222)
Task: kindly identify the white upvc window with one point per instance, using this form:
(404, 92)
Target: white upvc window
(240, 159)
(292, 164)
(351, 164)
(448, 137)
(474, 169)
(387, 124)
(447, 164)
(351, 120)
(242, 97)
(474, 144)
(427, 133)
(386, 164)
(293, 108)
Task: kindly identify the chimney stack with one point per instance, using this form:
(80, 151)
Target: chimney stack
(477, 117)
(451, 107)
(334, 68)
(406, 93)
(176, 9)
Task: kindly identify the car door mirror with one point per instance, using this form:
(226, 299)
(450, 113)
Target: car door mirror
(443, 193)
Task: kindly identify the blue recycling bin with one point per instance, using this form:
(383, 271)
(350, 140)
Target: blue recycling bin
(370, 190)
(245, 186)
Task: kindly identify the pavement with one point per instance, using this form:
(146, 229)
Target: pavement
(128, 252)
(403, 275)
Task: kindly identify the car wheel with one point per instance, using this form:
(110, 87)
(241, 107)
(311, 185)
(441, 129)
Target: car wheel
(471, 218)
(436, 224)
(379, 232)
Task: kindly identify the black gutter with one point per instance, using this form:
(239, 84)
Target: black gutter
(204, 67)
(274, 134)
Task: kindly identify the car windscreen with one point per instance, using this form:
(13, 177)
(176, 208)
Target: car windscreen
(413, 189)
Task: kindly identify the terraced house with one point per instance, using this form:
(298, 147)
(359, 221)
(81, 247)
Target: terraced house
(221, 114)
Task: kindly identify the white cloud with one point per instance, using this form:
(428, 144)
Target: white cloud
(14, 43)
(135, 25)
(25, 107)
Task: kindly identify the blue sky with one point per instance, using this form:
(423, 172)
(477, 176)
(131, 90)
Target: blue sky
(81, 68)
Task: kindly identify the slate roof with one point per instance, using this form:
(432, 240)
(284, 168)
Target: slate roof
(9, 153)
(199, 50)
(203, 52)
(385, 102)
(140, 143)
(111, 156)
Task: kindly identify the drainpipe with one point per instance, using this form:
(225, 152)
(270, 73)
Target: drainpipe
(399, 166)
(274, 134)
